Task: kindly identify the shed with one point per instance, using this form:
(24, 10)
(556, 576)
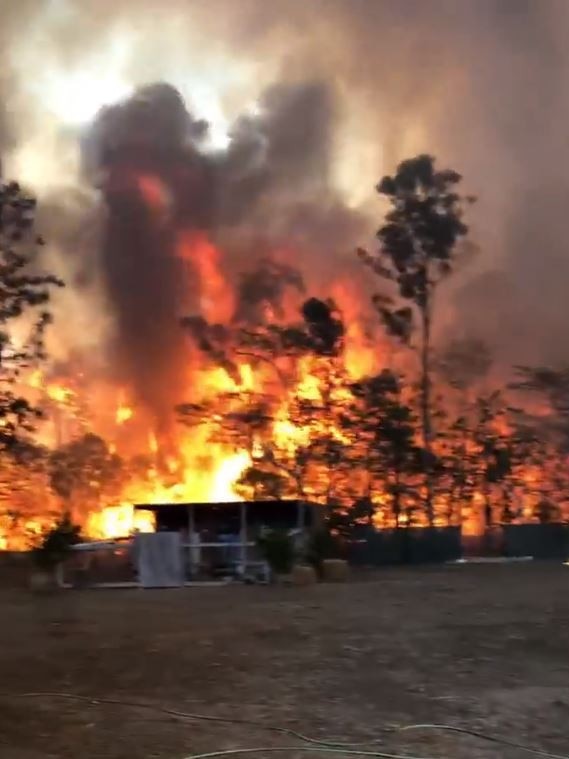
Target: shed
(220, 539)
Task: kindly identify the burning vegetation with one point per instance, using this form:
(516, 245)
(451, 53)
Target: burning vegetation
(239, 367)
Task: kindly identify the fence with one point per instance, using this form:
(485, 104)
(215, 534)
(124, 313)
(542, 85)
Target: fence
(417, 545)
(411, 545)
(541, 541)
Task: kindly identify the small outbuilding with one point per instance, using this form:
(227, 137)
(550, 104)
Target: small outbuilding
(197, 542)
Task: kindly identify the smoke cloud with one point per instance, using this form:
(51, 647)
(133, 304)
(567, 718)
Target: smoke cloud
(266, 126)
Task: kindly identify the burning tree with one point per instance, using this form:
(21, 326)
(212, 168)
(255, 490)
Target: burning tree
(25, 295)
(23, 310)
(85, 472)
(278, 406)
(383, 429)
(419, 244)
(285, 427)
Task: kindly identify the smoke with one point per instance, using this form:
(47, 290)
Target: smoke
(165, 194)
(267, 126)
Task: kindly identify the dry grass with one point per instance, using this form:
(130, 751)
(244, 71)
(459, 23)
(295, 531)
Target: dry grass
(484, 646)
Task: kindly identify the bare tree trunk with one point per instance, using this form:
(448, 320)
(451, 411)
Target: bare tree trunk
(426, 403)
(397, 498)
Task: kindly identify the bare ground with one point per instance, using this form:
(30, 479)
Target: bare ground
(478, 646)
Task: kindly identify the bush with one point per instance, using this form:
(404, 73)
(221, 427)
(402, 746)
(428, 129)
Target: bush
(322, 545)
(55, 545)
(277, 548)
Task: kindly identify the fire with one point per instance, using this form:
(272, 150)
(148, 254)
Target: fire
(171, 466)
(152, 442)
(59, 393)
(226, 475)
(216, 296)
(197, 464)
(123, 414)
(154, 193)
(119, 521)
(252, 410)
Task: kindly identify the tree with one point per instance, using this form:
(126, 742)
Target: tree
(494, 462)
(24, 474)
(264, 483)
(542, 426)
(24, 297)
(56, 544)
(419, 244)
(464, 362)
(87, 472)
(384, 428)
(247, 419)
(552, 386)
(462, 365)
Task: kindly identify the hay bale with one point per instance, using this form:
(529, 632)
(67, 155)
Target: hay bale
(303, 575)
(42, 582)
(335, 570)
(280, 579)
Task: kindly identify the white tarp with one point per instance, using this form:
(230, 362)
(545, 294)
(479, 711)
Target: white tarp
(159, 559)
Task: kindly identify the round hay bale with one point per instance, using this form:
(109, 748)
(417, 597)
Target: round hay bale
(335, 570)
(303, 575)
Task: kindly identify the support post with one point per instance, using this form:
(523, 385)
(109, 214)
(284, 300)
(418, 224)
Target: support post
(301, 515)
(191, 539)
(243, 538)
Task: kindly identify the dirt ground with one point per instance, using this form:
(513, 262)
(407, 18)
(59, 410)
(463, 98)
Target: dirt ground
(475, 646)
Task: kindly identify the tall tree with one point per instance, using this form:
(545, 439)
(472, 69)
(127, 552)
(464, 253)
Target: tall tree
(419, 245)
(24, 296)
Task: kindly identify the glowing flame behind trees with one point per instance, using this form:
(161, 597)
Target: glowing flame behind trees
(355, 444)
(283, 406)
(24, 297)
(288, 434)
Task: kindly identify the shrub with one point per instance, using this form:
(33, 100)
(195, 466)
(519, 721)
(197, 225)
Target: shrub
(322, 545)
(55, 545)
(277, 548)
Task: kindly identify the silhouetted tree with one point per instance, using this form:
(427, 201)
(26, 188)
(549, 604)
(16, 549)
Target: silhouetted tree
(552, 387)
(461, 365)
(384, 428)
(86, 473)
(494, 462)
(25, 294)
(245, 418)
(263, 482)
(464, 362)
(419, 243)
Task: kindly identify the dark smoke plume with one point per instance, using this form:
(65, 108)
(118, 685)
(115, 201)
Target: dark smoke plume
(276, 165)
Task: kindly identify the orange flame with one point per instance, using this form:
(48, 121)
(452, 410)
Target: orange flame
(216, 296)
